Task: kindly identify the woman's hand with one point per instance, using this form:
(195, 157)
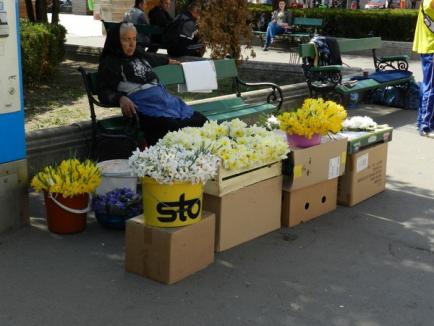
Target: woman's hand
(174, 62)
(127, 106)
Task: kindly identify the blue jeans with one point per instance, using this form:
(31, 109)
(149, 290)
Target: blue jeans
(272, 30)
(425, 117)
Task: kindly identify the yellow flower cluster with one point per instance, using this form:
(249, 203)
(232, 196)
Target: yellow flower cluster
(316, 116)
(71, 177)
(237, 145)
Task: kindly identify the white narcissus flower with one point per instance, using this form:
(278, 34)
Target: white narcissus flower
(237, 145)
(359, 123)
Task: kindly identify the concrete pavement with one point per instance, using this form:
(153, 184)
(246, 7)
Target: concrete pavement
(369, 265)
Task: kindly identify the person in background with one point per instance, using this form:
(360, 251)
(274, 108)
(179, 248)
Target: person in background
(280, 23)
(424, 45)
(125, 79)
(136, 15)
(181, 37)
(159, 16)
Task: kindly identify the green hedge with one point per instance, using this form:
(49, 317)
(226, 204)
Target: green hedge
(42, 49)
(390, 24)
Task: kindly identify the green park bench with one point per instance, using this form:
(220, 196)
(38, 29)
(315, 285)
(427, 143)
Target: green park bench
(327, 81)
(214, 109)
(303, 29)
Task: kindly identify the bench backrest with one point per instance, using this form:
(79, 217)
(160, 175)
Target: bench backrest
(142, 29)
(347, 45)
(307, 22)
(173, 74)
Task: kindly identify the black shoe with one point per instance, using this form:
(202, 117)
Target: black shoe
(265, 48)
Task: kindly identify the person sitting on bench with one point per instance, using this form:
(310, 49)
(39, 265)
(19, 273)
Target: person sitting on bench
(125, 79)
(279, 24)
(159, 16)
(182, 35)
(136, 15)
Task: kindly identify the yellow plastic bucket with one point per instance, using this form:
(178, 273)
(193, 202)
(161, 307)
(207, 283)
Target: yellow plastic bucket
(171, 205)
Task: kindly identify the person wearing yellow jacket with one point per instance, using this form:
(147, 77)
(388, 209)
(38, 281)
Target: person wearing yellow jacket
(424, 45)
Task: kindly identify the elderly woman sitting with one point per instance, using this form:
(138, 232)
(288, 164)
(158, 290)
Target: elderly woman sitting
(126, 79)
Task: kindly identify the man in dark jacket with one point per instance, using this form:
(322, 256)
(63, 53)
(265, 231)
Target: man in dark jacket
(181, 37)
(159, 16)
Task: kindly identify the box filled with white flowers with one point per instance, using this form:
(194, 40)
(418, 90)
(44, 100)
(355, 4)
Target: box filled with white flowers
(363, 131)
(248, 154)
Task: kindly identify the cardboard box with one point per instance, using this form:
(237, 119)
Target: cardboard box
(365, 175)
(246, 213)
(227, 181)
(168, 255)
(312, 165)
(302, 205)
(358, 140)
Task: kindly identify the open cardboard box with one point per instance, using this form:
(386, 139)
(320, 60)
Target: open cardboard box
(365, 175)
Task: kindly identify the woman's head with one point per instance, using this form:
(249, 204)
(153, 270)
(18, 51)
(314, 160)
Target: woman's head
(128, 34)
(282, 5)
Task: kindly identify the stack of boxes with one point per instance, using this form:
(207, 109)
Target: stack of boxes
(310, 180)
(246, 204)
(242, 205)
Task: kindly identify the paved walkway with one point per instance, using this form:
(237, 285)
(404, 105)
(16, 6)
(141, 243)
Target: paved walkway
(369, 265)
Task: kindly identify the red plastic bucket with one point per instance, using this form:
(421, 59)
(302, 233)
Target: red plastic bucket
(66, 215)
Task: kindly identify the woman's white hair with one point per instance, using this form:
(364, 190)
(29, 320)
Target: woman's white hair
(126, 26)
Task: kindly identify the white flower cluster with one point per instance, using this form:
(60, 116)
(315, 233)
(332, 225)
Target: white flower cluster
(359, 123)
(237, 145)
(170, 164)
(272, 123)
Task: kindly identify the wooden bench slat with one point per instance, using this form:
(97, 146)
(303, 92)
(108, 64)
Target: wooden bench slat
(249, 111)
(219, 106)
(367, 84)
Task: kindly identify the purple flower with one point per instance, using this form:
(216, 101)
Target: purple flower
(122, 202)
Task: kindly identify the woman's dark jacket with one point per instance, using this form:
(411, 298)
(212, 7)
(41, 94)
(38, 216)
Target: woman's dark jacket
(115, 66)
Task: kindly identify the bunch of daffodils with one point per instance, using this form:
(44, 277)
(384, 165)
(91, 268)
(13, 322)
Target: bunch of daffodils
(359, 123)
(170, 164)
(316, 116)
(70, 177)
(237, 145)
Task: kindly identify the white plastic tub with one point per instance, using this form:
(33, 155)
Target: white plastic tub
(115, 174)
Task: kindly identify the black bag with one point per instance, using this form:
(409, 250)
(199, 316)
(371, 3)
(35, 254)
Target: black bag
(412, 96)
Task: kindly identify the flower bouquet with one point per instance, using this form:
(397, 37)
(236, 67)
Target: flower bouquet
(314, 119)
(238, 146)
(173, 178)
(115, 207)
(67, 187)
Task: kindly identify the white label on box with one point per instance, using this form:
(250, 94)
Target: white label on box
(362, 162)
(372, 139)
(334, 165)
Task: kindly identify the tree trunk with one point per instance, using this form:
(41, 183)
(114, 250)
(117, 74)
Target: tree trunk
(41, 11)
(29, 10)
(55, 9)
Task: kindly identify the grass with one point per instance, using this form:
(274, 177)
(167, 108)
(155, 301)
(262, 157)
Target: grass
(63, 101)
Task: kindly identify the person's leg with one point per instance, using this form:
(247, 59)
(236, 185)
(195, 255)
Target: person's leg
(268, 34)
(425, 119)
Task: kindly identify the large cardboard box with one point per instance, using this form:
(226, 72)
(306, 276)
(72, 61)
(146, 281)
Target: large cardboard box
(302, 205)
(365, 175)
(246, 213)
(168, 255)
(309, 166)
